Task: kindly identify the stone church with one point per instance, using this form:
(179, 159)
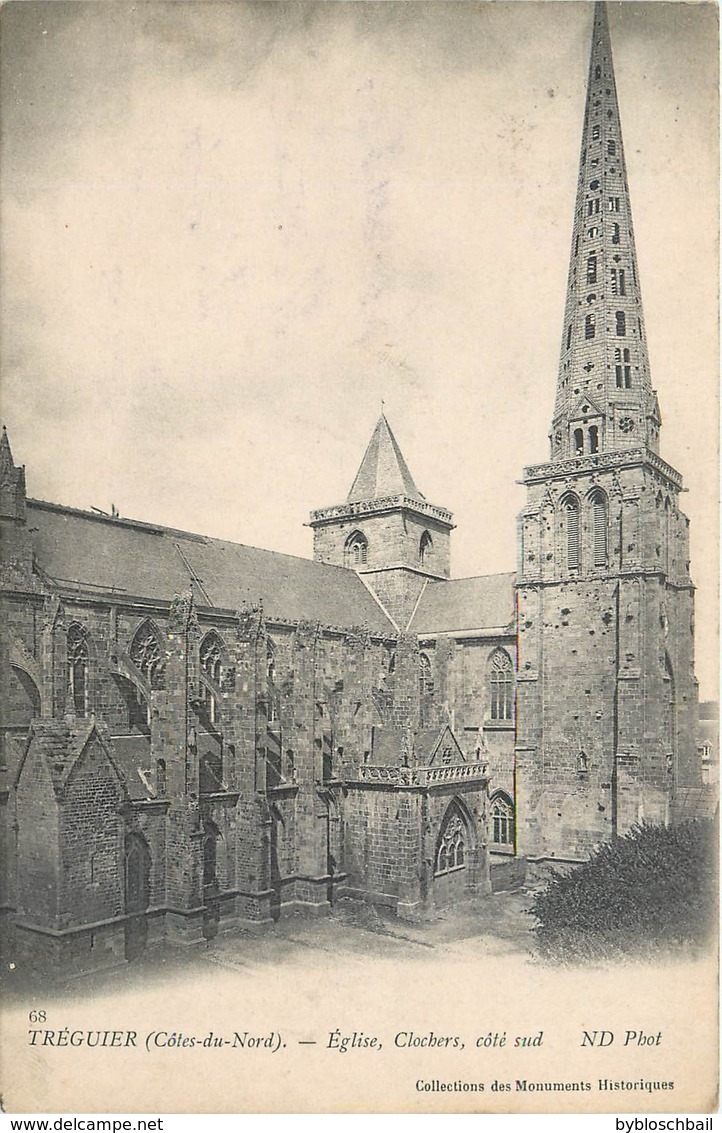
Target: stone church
(199, 733)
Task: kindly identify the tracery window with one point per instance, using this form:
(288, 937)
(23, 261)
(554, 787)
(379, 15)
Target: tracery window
(502, 820)
(501, 686)
(210, 658)
(78, 669)
(357, 550)
(146, 655)
(451, 850)
(273, 710)
(426, 680)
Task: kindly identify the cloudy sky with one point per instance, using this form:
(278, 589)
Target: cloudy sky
(229, 230)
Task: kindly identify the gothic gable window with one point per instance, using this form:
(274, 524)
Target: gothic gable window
(357, 550)
(598, 502)
(78, 669)
(501, 686)
(502, 819)
(451, 853)
(425, 547)
(146, 655)
(210, 658)
(570, 512)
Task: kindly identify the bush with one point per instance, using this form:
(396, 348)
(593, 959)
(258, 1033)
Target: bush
(654, 889)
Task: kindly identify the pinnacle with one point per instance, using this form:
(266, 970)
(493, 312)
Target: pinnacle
(383, 470)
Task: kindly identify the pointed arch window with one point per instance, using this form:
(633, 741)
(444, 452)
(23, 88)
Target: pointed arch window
(600, 525)
(451, 852)
(273, 706)
(78, 669)
(357, 550)
(426, 678)
(425, 547)
(501, 686)
(502, 819)
(571, 523)
(210, 658)
(146, 655)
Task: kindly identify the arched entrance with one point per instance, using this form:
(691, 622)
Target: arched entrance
(137, 894)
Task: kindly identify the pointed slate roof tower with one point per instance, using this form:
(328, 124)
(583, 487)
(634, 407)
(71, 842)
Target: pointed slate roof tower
(605, 399)
(383, 470)
(386, 530)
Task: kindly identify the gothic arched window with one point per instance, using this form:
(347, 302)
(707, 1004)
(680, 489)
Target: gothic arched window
(426, 680)
(451, 848)
(501, 686)
(357, 550)
(210, 658)
(598, 502)
(570, 512)
(425, 546)
(502, 819)
(146, 655)
(78, 669)
(273, 708)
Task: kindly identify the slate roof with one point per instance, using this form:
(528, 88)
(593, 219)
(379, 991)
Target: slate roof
(484, 602)
(145, 561)
(383, 470)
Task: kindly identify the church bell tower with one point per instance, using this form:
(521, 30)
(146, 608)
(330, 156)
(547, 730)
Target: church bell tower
(606, 702)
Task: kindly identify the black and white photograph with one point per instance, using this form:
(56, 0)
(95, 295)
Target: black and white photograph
(359, 577)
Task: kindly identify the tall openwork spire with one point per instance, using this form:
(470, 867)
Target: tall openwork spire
(604, 396)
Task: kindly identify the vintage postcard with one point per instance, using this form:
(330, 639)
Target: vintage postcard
(360, 556)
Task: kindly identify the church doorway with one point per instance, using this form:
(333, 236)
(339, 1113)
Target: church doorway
(137, 895)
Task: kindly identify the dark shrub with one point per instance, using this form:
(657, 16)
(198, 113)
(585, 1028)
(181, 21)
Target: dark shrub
(652, 890)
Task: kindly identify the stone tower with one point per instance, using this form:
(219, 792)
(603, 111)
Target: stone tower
(606, 701)
(386, 530)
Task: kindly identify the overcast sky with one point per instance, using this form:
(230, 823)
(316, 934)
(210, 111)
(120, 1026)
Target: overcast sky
(230, 230)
